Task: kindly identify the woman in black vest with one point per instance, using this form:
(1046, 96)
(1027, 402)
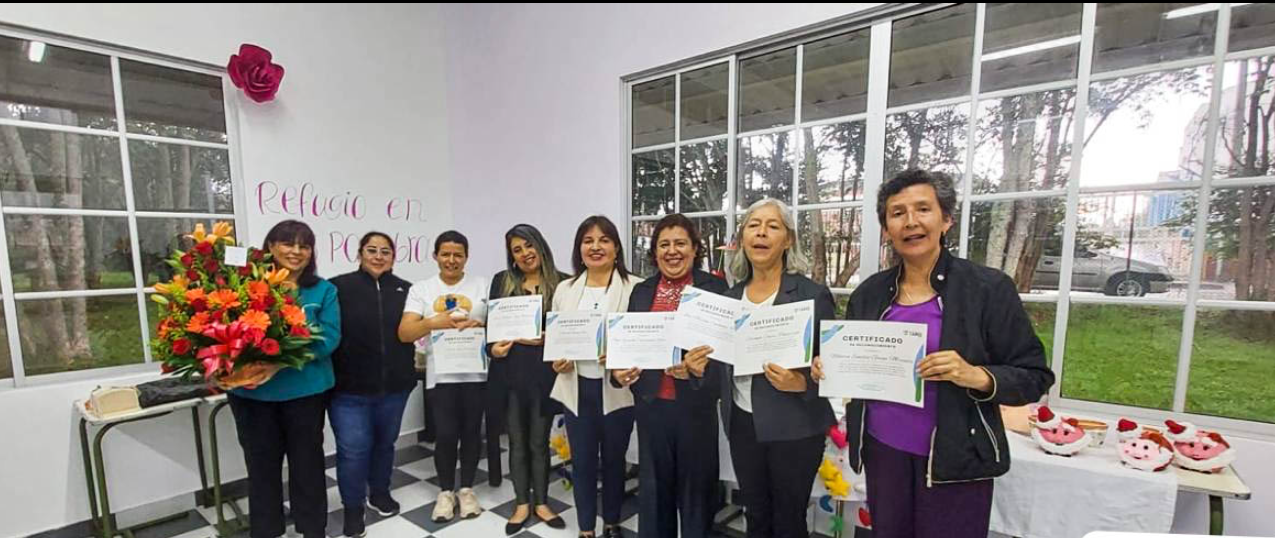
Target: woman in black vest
(374, 376)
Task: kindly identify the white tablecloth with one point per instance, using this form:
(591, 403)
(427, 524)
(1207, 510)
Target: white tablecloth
(1045, 496)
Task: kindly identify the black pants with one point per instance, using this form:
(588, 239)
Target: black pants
(268, 431)
(528, 448)
(775, 478)
(598, 443)
(458, 418)
(677, 452)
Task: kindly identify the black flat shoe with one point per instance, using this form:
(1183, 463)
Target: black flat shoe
(513, 528)
(555, 523)
(612, 532)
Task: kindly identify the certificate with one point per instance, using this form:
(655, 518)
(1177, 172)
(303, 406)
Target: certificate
(459, 352)
(575, 336)
(639, 340)
(782, 335)
(705, 319)
(514, 318)
(873, 360)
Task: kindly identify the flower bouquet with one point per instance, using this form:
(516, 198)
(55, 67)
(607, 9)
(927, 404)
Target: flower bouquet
(233, 325)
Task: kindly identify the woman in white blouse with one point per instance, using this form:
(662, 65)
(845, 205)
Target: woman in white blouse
(599, 416)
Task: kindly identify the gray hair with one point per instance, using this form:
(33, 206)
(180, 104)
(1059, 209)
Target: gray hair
(795, 260)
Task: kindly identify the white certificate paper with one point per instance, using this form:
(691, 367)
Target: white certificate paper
(705, 319)
(640, 340)
(514, 318)
(873, 360)
(782, 335)
(459, 352)
(575, 336)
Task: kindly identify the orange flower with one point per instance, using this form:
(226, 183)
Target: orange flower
(293, 314)
(198, 322)
(165, 327)
(195, 294)
(222, 231)
(277, 276)
(256, 319)
(199, 234)
(223, 299)
(258, 289)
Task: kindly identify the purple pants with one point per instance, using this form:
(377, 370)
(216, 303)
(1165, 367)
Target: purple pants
(903, 507)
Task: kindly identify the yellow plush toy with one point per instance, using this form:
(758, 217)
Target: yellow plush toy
(560, 445)
(833, 480)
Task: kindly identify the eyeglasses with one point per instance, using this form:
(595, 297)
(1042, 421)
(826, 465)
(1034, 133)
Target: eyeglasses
(373, 252)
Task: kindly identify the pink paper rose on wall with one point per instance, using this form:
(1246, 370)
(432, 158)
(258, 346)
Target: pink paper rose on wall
(253, 72)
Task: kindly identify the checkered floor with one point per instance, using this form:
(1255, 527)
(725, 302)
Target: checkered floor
(414, 485)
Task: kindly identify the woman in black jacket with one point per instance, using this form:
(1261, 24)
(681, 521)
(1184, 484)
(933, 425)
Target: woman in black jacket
(374, 376)
(775, 421)
(929, 469)
(676, 409)
(520, 379)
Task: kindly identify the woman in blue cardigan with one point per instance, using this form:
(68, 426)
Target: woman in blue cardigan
(284, 416)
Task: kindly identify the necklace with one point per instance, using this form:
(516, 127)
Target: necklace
(596, 295)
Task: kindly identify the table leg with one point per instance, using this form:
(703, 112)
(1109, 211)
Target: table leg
(1216, 515)
(224, 527)
(202, 498)
(107, 528)
(88, 474)
(841, 514)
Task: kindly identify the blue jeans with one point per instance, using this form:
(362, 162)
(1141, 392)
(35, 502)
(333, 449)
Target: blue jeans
(366, 428)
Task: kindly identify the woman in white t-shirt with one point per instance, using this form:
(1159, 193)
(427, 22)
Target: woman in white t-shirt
(599, 416)
(450, 300)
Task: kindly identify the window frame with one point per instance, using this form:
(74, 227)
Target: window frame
(880, 22)
(10, 300)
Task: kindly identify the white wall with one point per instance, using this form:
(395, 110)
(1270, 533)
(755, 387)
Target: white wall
(362, 106)
(535, 112)
(535, 106)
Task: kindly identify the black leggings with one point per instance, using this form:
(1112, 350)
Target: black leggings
(458, 417)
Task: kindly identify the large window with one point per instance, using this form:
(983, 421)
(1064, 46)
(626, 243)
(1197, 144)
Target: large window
(1115, 160)
(106, 161)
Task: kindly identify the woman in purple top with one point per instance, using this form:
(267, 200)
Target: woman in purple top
(929, 470)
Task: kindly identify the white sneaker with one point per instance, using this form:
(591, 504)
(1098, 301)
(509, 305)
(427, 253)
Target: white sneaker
(445, 509)
(469, 507)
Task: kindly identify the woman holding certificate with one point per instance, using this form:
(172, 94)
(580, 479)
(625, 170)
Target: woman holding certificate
(599, 416)
(775, 420)
(676, 408)
(930, 468)
(442, 316)
(519, 368)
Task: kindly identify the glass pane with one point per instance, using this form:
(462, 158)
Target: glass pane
(173, 177)
(765, 168)
(653, 178)
(642, 244)
(1042, 316)
(1147, 128)
(1233, 354)
(832, 170)
(55, 253)
(654, 105)
(932, 139)
(158, 239)
(1241, 245)
(1246, 133)
(931, 56)
(79, 333)
(834, 79)
(55, 85)
(163, 101)
(1020, 237)
(831, 238)
(1122, 354)
(1252, 26)
(713, 232)
(767, 90)
(705, 101)
(1024, 142)
(51, 169)
(6, 362)
(1025, 44)
(704, 177)
(1136, 34)
(1133, 244)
